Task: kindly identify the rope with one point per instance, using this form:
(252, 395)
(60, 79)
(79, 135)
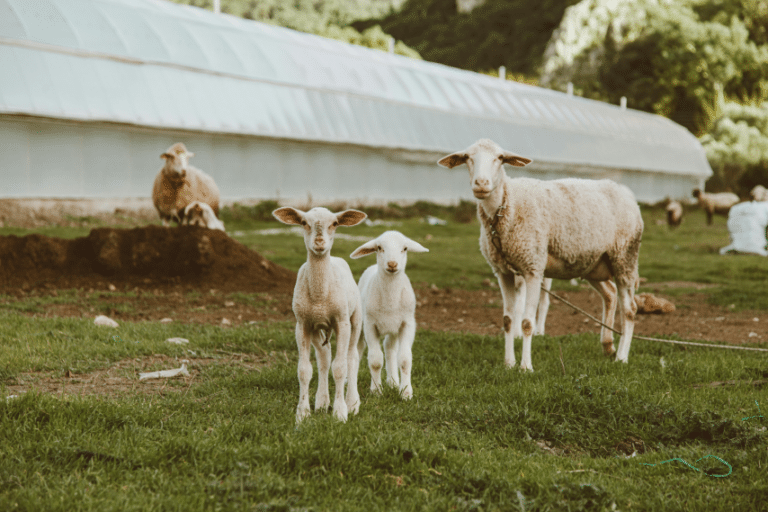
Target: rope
(730, 468)
(646, 338)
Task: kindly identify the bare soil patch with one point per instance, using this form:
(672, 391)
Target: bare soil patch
(159, 258)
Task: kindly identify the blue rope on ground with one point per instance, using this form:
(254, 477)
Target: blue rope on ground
(750, 417)
(730, 468)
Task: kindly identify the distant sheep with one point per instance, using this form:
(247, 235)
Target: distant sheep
(558, 229)
(759, 193)
(326, 299)
(712, 204)
(674, 214)
(389, 307)
(178, 184)
(200, 214)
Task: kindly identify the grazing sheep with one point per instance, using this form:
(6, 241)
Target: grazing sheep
(759, 193)
(201, 214)
(326, 299)
(712, 204)
(179, 184)
(389, 306)
(558, 229)
(674, 214)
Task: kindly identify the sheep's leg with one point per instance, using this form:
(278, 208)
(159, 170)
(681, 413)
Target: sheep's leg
(628, 312)
(375, 355)
(543, 309)
(303, 341)
(607, 291)
(405, 357)
(339, 368)
(513, 297)
(532, 282)
(391, 346)
(710, 215)
(323, 356)
(353, 364)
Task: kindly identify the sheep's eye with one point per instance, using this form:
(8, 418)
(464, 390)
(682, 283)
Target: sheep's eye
(303, 222)
(378, 248)
(335, 223)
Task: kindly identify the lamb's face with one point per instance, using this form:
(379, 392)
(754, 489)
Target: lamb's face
(391, 249)
(199, 214)
(485, 160)
(319, 225)
(177, 159)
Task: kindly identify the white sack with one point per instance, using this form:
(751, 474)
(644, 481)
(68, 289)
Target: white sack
(746, 225)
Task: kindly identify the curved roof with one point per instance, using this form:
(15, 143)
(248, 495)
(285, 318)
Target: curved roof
(159, 64)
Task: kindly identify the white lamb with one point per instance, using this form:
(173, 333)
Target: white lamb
(178, 184)
(389, 307)
(201, 214)
(719, 203)
(326, 299)
(558, 229)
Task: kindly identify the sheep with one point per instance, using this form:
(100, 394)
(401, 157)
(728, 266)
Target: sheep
(178, 184)
(557, 229)
(759, 193)
(325, 299)
(201, 214)
(674, 214)
(389, 307)
(712, 204)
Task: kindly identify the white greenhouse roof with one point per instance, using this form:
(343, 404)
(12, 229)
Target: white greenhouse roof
(158, 64)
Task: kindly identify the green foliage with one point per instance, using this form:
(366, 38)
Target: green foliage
(512, 33)
(674, 67)
(327, 18)
(737, 147)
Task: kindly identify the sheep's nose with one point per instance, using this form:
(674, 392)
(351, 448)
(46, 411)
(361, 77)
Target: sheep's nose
(482, 183)
(392, 266)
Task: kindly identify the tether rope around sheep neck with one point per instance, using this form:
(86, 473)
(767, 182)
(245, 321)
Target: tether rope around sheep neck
(496, 242)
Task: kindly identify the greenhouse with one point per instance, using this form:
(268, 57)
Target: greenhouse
(93, 91)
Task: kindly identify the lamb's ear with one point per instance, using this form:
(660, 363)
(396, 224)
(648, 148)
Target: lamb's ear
(414, 246)
(190, 154)
(288, 215)
(364, 250)
(166, 156)
(513, 159)
(350, 217)
(454, 159)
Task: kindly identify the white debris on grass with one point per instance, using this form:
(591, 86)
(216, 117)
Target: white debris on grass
(166, 320)
(178, 341)
(753, 335)
(434, 221)
(166, 374)
(105, 321)
(662, 362)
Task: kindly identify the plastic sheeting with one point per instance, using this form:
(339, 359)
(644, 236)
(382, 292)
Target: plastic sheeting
(161, 65)
(747, 223)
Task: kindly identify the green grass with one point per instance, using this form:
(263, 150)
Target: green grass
(475, 437)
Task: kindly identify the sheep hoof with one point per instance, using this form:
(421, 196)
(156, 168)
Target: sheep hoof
(526, 369)
(301, 414)
(510, 363)
(406, 393)
(340, 412)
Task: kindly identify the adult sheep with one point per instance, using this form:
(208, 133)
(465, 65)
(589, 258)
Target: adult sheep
(719, 203)
(178, 184)
(556, 229)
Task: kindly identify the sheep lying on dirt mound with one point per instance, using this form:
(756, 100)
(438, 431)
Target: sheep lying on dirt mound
(200, 214)
(178, 184)
(712, 204)
(556, 229)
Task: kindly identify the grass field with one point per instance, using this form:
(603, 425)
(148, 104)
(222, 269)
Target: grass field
(580, 433)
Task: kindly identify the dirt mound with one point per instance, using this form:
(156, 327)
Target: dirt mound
(150, 256)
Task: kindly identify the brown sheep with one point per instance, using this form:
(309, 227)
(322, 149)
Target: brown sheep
(178, 184)
(712, 204)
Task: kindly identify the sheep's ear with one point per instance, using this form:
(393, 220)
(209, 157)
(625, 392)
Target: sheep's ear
(288, 215)
(190, 154)
(166, 156)
(364, 250)
(350, 217)
(414, 246)
(453, 160)
(513, 159)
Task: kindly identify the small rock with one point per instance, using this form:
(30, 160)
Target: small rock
(166, 320)
(753, 335)
(755, 319)
(229, 303)
(226, 321)
(719, 319)
(105, 321)
(112, 287)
